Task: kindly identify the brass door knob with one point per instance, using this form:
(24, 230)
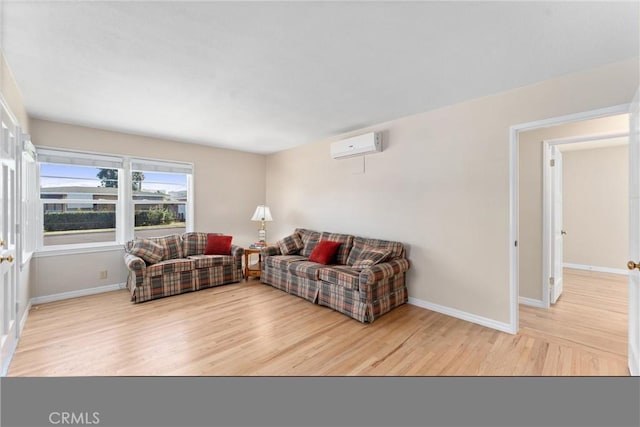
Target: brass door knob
(1, 242)
(631, 265)
(6, 258)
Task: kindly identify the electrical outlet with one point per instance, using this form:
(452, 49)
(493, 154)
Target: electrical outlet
(103, 274)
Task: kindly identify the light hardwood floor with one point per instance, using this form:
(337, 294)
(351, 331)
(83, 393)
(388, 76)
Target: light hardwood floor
(253, 329)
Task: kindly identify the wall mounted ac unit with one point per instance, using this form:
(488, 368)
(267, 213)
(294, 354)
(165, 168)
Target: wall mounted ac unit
(358, 145)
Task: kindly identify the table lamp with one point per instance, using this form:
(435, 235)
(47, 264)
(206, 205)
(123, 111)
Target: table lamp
(262, 214)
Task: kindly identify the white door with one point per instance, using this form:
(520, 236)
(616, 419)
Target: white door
(634, 237)
(8, 271)
(557, 233)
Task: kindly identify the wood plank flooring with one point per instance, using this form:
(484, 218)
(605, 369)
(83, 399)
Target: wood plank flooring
(253, 329)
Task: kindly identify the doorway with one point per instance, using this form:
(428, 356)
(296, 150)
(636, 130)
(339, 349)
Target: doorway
(585, 228)
(587, 174)
(519, 261)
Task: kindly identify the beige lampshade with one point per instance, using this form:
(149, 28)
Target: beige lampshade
(262, 213)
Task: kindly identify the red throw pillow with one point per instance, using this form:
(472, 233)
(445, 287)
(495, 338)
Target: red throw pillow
(324, 252)
(218, 245)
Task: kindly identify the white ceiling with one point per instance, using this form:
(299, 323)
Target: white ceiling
(267, 76)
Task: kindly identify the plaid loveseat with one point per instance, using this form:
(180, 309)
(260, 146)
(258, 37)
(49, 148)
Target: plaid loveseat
(175, 264)
(366, 279)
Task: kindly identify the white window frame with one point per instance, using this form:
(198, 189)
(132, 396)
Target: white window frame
(162, 166)
(124, 205)
(29, 199)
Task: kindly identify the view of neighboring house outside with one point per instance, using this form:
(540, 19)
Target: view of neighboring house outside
(86, 210)
(104, 193)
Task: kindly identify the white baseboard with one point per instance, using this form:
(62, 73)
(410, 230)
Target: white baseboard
(531, 302)
(473, 318)
(78, 293)
(596, 268)
(634, 369)
(24, 318)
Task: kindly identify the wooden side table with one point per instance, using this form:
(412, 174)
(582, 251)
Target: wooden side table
(252, 270)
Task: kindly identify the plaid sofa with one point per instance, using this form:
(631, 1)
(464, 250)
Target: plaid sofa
(174, 264)
(359, 287)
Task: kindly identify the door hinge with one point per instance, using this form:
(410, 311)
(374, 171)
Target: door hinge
(551, 280)
(552, 162)
(515, 244)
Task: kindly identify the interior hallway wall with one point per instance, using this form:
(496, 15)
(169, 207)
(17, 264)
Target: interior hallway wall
(596, 207)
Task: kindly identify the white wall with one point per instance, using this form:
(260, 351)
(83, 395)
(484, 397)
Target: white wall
(228, 185)
(530, 146)
(441, 186)
(596, 207)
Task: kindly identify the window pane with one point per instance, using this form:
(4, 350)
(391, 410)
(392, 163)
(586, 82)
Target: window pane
(73, 208)
(165, 202)
(70, 223)
(153, 220)
(71, 178)
(159, 186)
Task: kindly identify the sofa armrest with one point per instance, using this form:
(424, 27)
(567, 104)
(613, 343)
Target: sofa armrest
(270, 251)
(378, 272)
(137, 267)
(134, 263)
(237, 250)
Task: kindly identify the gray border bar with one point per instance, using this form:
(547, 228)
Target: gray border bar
(322, 401)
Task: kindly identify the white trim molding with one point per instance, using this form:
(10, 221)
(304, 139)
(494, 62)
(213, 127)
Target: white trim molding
(24, 318)
(78, 249)
(78, 293)
(531, 302)
(463, 315)
(634, 369)
(624, 272)
(5, 368)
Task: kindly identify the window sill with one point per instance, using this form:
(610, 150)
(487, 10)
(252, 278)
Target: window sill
(77, 249)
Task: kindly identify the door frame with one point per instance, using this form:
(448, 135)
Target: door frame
(514, 268)
(11, 317)
(548, 206)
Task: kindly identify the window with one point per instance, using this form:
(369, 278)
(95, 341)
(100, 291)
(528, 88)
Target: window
(90, 199)
(79, 204)
(159, 193)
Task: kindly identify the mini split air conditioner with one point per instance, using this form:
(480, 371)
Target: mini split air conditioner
(358, 145)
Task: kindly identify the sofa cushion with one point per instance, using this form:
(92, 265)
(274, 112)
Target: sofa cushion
(324, 252)
(290, 245)
(218, 245)
(371, 256)
(306, 269)
(207, 261)
(310, 239)
(172, 245)
(347, 277)
(170, 266)
(345, 248)
(148, 250)
(360, 243)
(194, 243)
(281, 262)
